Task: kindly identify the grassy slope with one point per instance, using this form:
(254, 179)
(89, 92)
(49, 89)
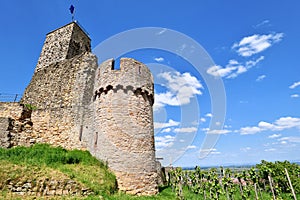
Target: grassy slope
(42, 161)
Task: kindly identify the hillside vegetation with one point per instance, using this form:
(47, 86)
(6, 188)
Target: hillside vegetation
(41, 164)
(52, 172)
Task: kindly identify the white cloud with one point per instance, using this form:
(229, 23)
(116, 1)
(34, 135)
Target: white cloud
(274, 136)
(202, 119)
(159, 59)
(249, 130)
(294, 85)
(166, 130)
(246, 149)
(283, 142)
(266, 126)
(167, 98)
(279, 125)
(208, 115)
(252, 63)
(263, 23)
(260, 78)
(164, 141)
(287, 122)
(294, 95)
(218, 70)
(256, 43)
(271, 149)
(210, 151)
(185, 130)
(205, 129)
(170, 123)
(290, 139)
(222, 131)
(180, 89)
(233, 68)
(227, 126)
(191, 147)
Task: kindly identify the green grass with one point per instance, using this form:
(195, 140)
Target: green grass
(236, 196)
(42, 161)
(44, 154)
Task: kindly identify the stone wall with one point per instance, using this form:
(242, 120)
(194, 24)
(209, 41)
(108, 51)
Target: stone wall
(123, 120)
(62, 93)
(10, 110)
(4, 133)
(15, 125)
(47, 187)
(40, 183)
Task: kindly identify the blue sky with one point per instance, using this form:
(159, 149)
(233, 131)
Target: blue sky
(253, 45)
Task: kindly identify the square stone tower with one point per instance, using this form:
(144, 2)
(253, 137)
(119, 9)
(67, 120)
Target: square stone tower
(63, 43)
(62, 88)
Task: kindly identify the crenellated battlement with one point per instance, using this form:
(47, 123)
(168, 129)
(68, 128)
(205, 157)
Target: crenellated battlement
(132, 75)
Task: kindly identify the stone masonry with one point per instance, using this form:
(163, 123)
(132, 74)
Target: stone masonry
(73, 103)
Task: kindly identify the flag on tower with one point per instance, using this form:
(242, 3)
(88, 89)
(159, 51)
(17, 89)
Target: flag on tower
(72, 9)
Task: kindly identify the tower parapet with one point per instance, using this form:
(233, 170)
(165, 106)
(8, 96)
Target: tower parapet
(132, 75)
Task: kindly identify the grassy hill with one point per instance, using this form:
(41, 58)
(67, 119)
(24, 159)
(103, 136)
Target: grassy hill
(41, 170)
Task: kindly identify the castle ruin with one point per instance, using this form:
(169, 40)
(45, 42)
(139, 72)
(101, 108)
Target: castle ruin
(73, 103)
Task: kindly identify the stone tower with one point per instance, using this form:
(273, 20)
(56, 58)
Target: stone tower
(63, 43)
(124, 134)
(83, 106)
(61, 88)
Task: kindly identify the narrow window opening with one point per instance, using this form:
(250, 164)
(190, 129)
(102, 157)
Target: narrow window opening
(96, 138)
(80, 132)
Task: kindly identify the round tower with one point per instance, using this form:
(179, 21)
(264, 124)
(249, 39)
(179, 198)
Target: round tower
(123, 124)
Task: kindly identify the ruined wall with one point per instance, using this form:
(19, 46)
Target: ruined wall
(123, 122)
(63, 43)
(11, 110)
(15, 125)
(4, 133)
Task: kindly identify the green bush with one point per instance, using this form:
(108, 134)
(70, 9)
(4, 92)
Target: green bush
(277, 172)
